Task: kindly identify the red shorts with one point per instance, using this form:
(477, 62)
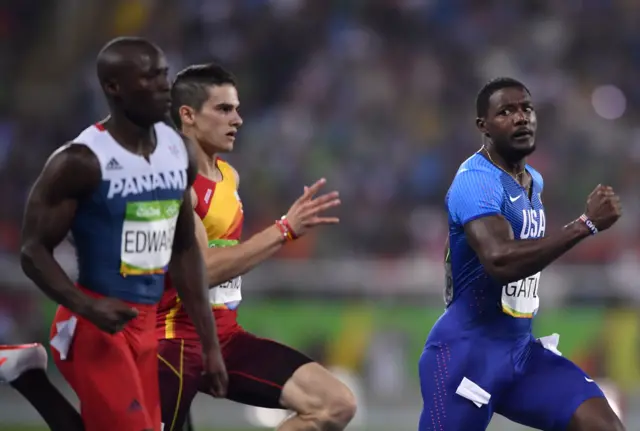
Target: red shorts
(114, 376)
(258, 369)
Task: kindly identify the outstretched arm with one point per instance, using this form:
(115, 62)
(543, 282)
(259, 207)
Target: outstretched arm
(224, 263)
(70, 173)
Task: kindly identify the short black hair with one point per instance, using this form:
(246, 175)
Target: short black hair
(114, 54)
(191, 84)
(482, 100)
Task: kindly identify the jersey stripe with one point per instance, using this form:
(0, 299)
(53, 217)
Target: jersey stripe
(236, 225)
(203, 187)
(170, 320)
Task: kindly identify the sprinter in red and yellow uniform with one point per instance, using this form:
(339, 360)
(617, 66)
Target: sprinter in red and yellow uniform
(261, 372)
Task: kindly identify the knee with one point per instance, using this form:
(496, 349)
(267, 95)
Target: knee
(340, 407)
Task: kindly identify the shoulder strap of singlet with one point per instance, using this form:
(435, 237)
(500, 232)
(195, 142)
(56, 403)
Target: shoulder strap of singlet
(98, 140)
(228, 173)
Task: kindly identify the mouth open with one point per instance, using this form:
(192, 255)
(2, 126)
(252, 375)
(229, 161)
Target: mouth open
(522, 134)
(231, 135)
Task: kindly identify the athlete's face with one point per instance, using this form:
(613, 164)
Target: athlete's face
(143, 86)
(216, 124)
(510, 122)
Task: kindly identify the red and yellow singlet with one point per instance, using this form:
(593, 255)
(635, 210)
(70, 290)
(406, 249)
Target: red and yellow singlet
(220, 208)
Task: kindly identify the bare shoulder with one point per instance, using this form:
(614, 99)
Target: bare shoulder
(71, 173)
(487, 234)
(72, 170)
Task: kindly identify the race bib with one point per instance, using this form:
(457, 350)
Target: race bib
(520, 298)
(227, 295)
(147, 236)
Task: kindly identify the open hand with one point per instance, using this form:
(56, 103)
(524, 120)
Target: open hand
(307, 211)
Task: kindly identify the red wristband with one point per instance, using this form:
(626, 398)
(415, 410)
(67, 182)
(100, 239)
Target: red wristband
(284, 230)
(286, 223)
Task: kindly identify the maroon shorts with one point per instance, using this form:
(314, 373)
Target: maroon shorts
(258, 368)
(114, 376)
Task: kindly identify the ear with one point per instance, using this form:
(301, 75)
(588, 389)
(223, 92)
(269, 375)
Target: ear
(111, 87)
(481, 124)
(187, 115)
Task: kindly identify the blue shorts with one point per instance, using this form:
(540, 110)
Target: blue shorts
(522, 381)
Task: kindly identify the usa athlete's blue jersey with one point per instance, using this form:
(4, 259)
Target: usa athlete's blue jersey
(477, 303)
(480, 357)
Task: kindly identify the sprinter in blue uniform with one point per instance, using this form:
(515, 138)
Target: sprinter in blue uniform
(481, 356)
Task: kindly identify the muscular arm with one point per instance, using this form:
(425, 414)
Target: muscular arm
(71, 173)
(509, 260)
(187, 269)
(225, 263)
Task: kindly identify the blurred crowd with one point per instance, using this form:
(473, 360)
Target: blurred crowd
(376, 95)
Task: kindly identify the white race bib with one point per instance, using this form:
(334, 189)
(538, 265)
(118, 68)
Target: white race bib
(520, 298)
(227, 295)
(147, 236)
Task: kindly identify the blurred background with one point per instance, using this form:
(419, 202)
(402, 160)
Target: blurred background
(379, 97)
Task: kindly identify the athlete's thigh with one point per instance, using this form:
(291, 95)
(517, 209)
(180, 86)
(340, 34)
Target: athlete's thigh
(549, 391)
(102, 371)
(146, 357)
(258, 369)
(457, 382)
(179, 375)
